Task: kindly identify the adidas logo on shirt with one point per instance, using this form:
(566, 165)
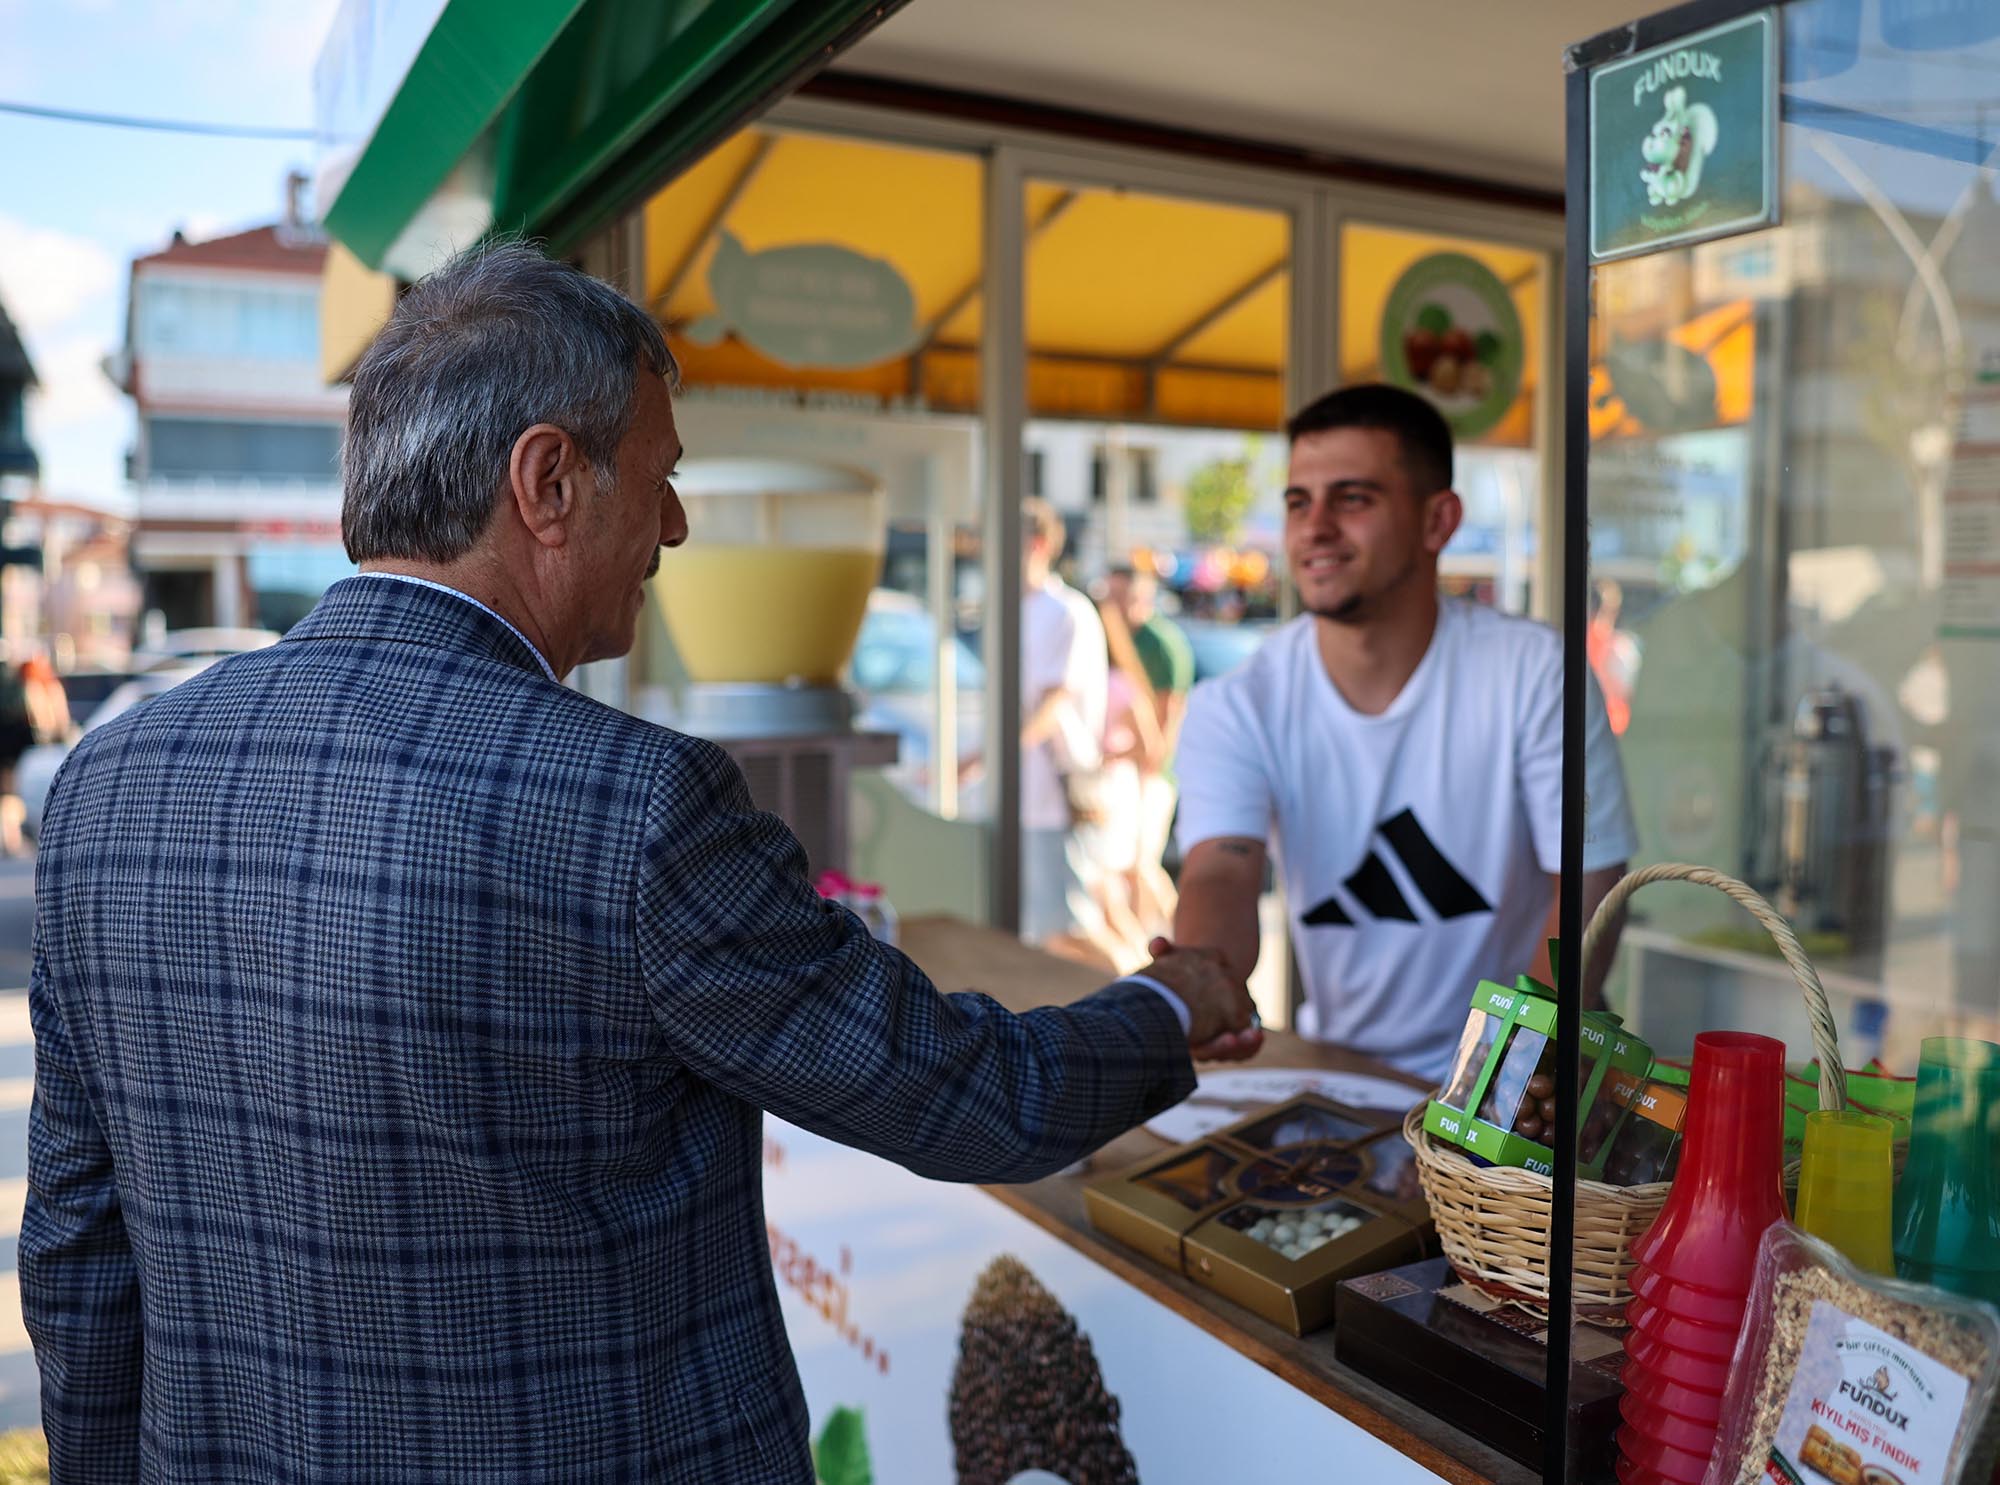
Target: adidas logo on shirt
(1375, 892)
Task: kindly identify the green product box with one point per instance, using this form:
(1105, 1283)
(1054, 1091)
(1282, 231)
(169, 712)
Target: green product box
(1613, 1076)
(1870, 1090)
(1499, 1102)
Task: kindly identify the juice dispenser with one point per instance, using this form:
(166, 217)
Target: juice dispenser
(766, 599)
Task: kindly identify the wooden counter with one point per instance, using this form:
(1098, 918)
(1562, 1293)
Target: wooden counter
(962, 956)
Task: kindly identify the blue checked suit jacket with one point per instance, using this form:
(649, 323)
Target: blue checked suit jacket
(403, 1022)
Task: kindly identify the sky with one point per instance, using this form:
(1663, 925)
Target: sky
(78, 202)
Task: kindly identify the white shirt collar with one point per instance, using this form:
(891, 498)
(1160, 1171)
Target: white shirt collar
(404, 577)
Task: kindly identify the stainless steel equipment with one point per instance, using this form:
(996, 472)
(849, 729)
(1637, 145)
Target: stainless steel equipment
(1824, 850)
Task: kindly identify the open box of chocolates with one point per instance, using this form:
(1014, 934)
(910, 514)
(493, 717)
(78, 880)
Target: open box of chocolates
(1274, 1210)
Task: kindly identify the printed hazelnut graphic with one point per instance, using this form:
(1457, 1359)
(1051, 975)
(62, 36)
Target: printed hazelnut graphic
(1448, 358)
(1027, 1392)
(1420, 349)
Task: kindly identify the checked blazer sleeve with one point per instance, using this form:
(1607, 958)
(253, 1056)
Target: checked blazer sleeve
(786, 1001)
(79, 1284)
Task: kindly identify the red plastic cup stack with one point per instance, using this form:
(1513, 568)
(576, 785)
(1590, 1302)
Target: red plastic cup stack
(1694, 1265)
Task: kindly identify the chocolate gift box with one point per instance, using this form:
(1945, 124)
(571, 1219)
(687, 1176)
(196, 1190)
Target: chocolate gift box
(1274, 1210)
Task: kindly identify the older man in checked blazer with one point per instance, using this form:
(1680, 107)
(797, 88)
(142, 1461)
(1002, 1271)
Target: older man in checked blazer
(403, 1018)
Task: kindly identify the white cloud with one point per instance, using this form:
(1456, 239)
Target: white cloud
(288, 37)
(47, 277)
(85, 458)
(73, 387)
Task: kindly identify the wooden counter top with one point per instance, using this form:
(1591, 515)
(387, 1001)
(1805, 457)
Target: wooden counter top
(962, 956)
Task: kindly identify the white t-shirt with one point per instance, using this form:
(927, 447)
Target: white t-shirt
(1062, 644)
(1416, 846)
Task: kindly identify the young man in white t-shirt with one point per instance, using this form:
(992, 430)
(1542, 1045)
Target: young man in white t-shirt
(1403, 752)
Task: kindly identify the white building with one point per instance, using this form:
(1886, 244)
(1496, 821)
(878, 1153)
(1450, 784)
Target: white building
(236, 468)
(1123, 487)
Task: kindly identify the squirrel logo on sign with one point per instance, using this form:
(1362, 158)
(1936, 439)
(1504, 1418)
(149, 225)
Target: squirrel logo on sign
(1679, 144)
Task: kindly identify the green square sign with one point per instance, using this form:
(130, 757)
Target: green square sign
(1684, 140)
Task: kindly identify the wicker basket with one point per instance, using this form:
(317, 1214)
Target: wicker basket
(1494, 1221)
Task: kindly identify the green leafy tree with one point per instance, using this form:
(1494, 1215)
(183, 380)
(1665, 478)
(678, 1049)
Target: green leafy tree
(840, 1457)
(1219, 496)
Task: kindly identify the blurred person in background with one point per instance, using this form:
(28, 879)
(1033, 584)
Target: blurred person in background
(1064, 682)
(33, 709)
(1115, 839)
(48, 703)
(1613, 653)
(1167, 660)
(17, 735)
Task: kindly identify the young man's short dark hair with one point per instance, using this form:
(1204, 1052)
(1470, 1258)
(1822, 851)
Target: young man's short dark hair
(1420, 428)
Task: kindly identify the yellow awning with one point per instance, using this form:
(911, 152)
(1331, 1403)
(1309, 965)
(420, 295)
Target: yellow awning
(1138, 308)
(354, 302)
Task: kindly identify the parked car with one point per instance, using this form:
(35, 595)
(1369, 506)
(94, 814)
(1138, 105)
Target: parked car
(179, 647)
(894, 661)
(37, 769)
(85, 690)
(1218, 647)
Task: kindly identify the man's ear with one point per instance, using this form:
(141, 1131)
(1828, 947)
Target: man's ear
(1442, 514)
(543, 476)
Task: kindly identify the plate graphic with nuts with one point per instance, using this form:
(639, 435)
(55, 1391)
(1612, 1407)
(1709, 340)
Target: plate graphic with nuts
(1451, 332)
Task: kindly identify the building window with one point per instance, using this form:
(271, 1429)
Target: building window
(203, 448)
(1142, 475)
(255, 322)
(1036, 472)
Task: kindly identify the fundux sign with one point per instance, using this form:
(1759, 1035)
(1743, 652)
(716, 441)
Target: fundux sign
(1684, 140)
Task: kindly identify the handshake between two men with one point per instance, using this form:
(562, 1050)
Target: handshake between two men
(1223, 1025)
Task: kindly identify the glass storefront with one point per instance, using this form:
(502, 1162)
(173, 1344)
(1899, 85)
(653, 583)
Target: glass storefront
(1792, 562)
(1792, 598)
(1152, 392)
(1465, 320)
(1162, 341)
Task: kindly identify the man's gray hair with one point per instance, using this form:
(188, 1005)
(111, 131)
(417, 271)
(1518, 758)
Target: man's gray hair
(497, 340)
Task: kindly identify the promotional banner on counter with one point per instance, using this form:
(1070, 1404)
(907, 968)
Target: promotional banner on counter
(942, 1337)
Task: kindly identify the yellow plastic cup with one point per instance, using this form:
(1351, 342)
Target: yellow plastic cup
(1846, 1183)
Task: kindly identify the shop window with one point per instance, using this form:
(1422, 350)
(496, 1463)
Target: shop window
(823, 296)
(1459, 321)
(1157, 343)
(1141, 472)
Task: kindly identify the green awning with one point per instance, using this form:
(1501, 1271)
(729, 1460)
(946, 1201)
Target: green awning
(556, 115)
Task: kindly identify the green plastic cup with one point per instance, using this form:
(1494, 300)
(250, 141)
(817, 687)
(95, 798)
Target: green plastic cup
(1845, 1185)
(1947, 1223)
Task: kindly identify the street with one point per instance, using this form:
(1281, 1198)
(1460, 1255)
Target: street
(19, 1407)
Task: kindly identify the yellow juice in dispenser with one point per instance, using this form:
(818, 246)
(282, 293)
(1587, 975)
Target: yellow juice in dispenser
(765, 613)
